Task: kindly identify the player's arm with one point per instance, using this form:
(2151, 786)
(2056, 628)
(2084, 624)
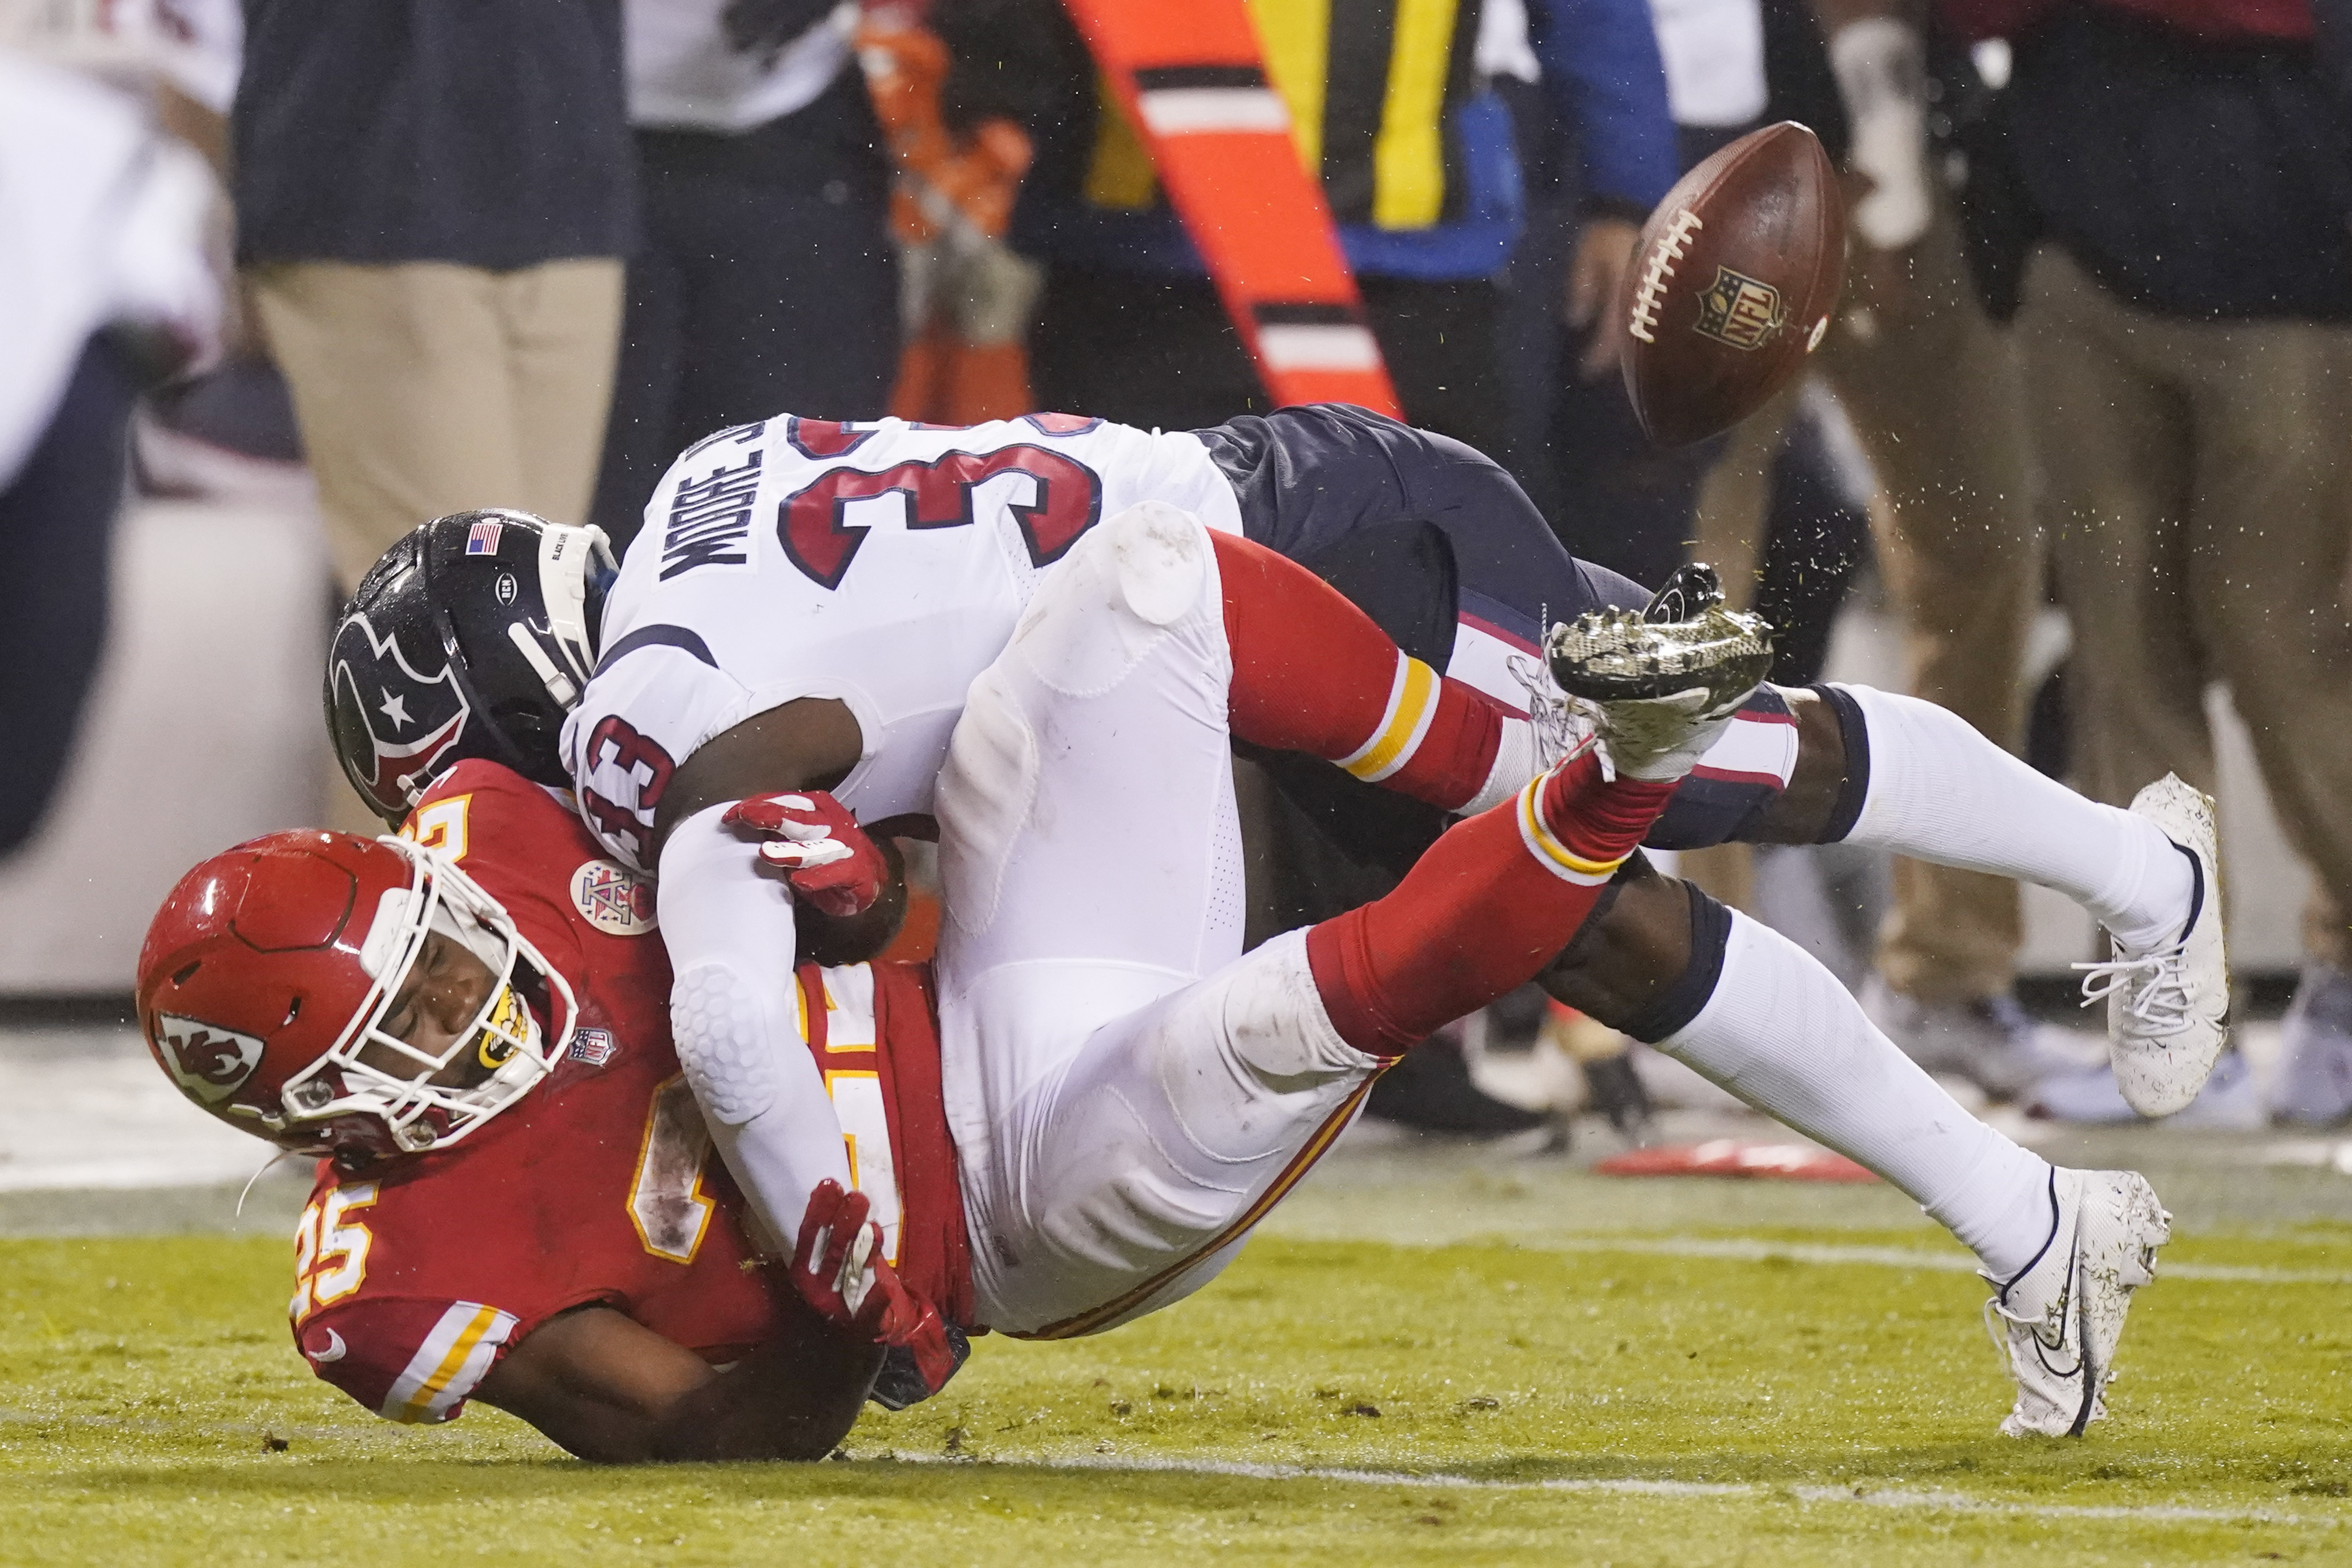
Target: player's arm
(804, 745)
(810, 743)
(730, 871)
(602, 1386)
(1601, 66)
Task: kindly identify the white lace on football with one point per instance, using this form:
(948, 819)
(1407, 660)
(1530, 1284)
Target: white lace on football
(2154, 987)
(421, 1113)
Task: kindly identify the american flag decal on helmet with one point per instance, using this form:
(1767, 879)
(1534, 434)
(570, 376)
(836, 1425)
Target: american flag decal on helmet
(482, 538)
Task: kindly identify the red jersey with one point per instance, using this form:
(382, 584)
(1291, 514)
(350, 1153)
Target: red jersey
(601, 1185)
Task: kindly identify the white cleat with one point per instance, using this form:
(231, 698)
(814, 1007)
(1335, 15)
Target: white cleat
(2168, 1009)
(2057, 1322)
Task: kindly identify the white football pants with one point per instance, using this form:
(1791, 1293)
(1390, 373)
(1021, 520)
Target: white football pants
(1129, 1094)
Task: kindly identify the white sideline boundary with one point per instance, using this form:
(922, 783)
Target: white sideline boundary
(1745, 1249)
(1939, 1501)
(1243, 1469)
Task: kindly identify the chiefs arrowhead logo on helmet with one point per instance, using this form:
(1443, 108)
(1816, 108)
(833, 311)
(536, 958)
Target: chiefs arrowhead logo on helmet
(206, 1059)
(409, 719)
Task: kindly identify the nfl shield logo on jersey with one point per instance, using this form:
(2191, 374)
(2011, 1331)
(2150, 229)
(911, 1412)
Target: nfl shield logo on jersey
(614, 898)
(593, 1047)
(410, 719)
(207, 1061)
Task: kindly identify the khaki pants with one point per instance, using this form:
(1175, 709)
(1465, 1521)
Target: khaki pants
(2196, 479)
(1933, 393)
(424, 388)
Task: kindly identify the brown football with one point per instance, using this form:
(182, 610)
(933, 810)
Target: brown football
(1733, 283)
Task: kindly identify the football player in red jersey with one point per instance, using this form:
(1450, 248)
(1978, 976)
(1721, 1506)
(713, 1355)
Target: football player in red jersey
(585, 1263)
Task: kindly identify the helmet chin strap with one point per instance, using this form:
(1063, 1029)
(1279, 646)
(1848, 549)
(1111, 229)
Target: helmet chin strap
(566, 558)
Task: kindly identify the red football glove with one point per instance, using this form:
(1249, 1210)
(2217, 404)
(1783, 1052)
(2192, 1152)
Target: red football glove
(828, 857)
(838, 1268)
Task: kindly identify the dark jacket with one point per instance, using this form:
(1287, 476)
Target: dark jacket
(491, 133)
(2193, 175)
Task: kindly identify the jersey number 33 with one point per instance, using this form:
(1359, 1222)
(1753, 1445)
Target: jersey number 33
(1052, 498)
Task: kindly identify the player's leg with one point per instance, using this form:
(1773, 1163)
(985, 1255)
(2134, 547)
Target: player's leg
(1090, 858)
(1313, 674)
(1142, 1163)
(1883, 770)
(1892, 771)
(1753, 1011)
(1089, 862)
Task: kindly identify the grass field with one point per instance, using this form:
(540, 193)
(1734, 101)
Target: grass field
(1685, 1395)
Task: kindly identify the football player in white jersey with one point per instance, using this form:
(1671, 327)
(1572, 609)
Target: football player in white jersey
(809, 600)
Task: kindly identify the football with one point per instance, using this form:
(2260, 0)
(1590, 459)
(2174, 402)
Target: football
(1733, 284)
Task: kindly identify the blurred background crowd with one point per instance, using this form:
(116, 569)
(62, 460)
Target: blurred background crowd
(279, 281)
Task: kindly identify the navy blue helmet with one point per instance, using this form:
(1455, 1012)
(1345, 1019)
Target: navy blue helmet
(470, 637)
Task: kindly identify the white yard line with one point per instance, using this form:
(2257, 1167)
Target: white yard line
(1744, 1249)
(1243, 1469)
(1947, 1502)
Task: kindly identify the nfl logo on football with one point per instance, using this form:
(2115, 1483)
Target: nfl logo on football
(1739, 310)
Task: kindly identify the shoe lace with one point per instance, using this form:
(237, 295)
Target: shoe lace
(2154, 988)
(1558, 727)
(1997, 1324)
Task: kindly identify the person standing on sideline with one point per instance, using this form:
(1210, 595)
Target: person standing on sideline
(433, 200)
(2182, 175)
(1929, 379)
(764, 276)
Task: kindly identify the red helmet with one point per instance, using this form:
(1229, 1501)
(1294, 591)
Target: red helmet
(267, 973)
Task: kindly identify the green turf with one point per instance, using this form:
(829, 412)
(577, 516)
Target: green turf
(149, 1382)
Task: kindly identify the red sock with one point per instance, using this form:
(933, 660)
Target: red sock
(1485, 910)
(1313, 674)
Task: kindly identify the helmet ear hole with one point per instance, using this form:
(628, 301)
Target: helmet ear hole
(182, 975)
(293, 1011)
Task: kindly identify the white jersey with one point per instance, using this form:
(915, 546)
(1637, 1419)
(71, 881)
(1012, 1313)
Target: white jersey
(881, 565)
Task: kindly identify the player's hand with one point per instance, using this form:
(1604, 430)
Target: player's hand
(838, 1270)
(825, 856)
(1596, 275)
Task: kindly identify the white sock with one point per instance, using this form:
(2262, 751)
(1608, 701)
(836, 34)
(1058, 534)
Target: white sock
(1941, 792)
(1781, 1034)
(1519, 759)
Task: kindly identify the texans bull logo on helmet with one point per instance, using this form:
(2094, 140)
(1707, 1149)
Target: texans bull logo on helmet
(206, 1059)
(410, 719)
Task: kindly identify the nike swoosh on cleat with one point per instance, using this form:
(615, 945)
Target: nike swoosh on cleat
(2065, 1300)
(2090, 1371)
(2066, 1293)
(2041, 1354)
(2196, 894)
